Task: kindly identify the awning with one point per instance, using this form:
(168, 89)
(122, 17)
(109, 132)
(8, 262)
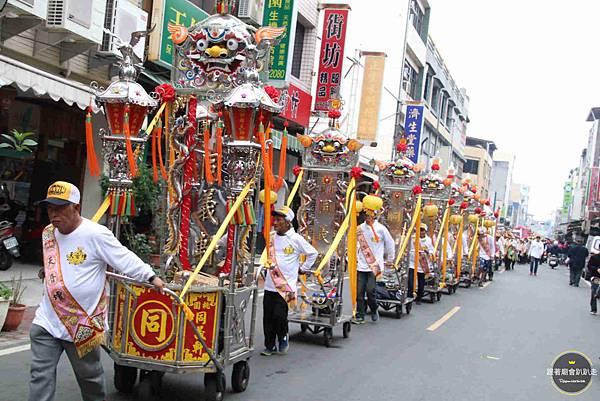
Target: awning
(155, 78)
(26, 77)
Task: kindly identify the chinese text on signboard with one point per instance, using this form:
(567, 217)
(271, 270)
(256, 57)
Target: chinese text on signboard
(413, 125)
(331, 57)
(180, 12)
(370, 99)
(279, 13)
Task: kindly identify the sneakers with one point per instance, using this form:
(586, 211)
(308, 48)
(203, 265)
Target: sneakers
(375, 316)
(358, 320)
(269, 351)
(593, 313)
(284, 345)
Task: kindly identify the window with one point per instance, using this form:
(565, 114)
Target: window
(471, 166)
(298, 48)
(435, 98)
(409, 79)
(428, 83)
(416, 16)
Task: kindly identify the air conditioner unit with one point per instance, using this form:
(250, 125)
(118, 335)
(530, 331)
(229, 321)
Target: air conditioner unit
(251, 11)
(33, 7)
(83, 18)
(122, 18)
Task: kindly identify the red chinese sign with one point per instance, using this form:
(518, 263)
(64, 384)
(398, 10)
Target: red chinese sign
(331, 57)
(297, 106)
(153, 330)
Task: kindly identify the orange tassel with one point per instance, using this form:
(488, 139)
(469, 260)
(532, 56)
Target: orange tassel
(282, 157)
(219, 152)
(207, 170)
(374, 233)
(154, 168)
(163, 171)
(128, 146)
(89, 141)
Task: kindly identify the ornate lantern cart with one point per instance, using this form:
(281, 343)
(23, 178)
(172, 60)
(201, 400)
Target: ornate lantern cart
(216, 118)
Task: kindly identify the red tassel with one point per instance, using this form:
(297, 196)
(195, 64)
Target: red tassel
(207, 170)
(132, 211)
(219, 152)
(128, 146)
(89, 140)
(121, 204)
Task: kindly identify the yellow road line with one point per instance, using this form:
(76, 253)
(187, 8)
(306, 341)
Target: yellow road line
(444, 319)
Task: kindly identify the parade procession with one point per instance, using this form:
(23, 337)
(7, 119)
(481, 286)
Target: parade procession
(231, 235)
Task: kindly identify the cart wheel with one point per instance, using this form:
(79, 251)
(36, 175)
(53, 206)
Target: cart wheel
(240, 376)
(468, 284)
(303, 327)
(398, 311)
(214, 386)
(455, 288)
(125, 378)
(432, 297)
(149, 387)
(328, 336)
(408, 307)
(438, 296)
(346, 328)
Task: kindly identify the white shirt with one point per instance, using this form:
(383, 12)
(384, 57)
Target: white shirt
(482, 253)
(426, 244)
(288, 248)
(86, 281)
(383, 247)
(536, 249)
(501, 246)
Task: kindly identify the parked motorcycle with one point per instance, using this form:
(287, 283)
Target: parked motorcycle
(553, 261)
(9, 246)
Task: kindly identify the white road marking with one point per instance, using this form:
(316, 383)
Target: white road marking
(444, 319)
(495, 358)
(486, 284)
(13, 350)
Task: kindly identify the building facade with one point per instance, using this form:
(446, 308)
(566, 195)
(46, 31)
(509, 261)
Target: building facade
(479, 163)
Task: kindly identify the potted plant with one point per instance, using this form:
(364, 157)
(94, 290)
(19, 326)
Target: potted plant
(5, 295)
(19, 143)
(16, 309)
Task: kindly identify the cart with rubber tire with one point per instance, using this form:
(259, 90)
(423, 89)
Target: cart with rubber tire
(319, 307)
(151, 334)
(397, 180)
(328, 157)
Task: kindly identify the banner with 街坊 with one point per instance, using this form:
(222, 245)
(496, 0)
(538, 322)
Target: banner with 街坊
(331, 57)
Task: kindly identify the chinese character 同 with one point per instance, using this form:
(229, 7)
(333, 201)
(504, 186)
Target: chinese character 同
(154, 321)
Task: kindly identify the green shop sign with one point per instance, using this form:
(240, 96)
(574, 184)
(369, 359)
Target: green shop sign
(180, 12)
(280, 13)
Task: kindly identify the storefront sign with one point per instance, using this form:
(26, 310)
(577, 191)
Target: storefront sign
(281, 13)
(297, 106)
(331, 57)
(180, 12)
(592, 190)
(370, 100)
(413, 125)
(567, 198)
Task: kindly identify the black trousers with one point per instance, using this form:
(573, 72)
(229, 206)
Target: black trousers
(365, 284)
(420, 283)
(275, 322)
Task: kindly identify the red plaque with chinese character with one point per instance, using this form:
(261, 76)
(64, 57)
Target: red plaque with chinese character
(331, 57)
(152, 329)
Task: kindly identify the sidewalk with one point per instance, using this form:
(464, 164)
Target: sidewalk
(31, 297)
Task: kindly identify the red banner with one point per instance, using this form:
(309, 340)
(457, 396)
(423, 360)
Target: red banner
(297, 106)
(331, 57)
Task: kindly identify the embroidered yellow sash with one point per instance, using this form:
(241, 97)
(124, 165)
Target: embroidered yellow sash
(87, 332)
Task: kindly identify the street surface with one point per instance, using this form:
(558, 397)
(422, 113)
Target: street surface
(496, 345)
